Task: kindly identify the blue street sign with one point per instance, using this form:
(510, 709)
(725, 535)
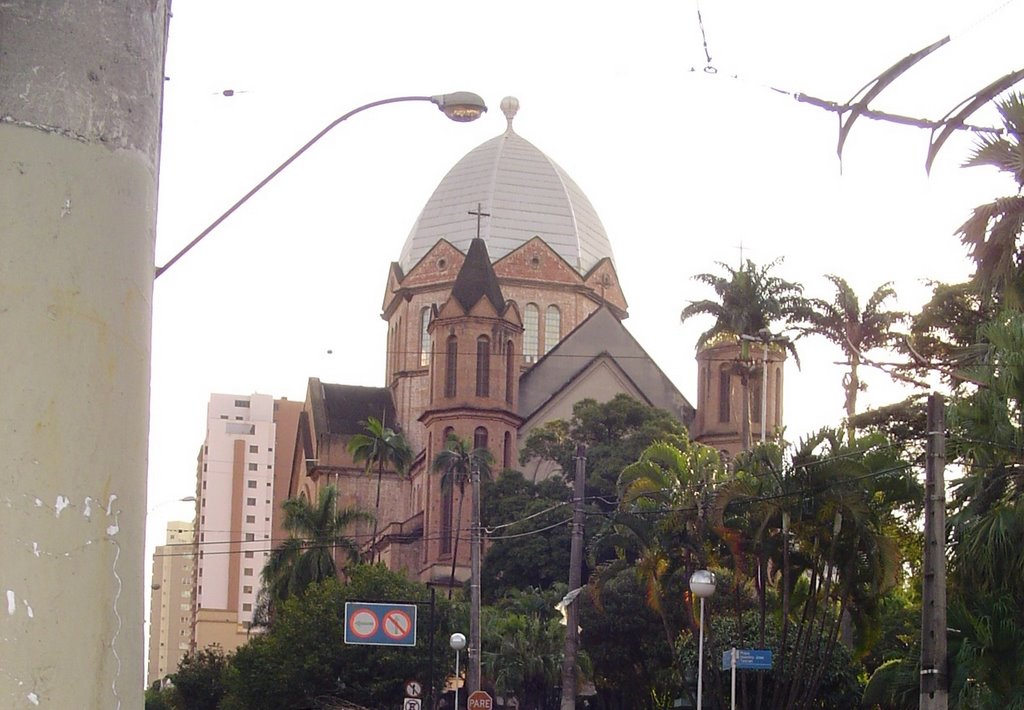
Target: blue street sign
(747, 659)
(374, 624)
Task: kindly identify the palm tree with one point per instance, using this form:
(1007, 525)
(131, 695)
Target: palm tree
(750, 302)
(994, 228)
(856, 331)
(455, 462)
(381, 447)
(316, 532)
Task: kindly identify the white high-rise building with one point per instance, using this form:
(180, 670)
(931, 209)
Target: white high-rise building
(248, 440)
(170, 621)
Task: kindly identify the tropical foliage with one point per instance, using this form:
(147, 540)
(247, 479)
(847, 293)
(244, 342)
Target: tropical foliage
(382, 448)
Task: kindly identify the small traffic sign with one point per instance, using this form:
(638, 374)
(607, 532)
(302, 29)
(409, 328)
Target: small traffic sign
(479, 700)
(412, 704)
(413, 688)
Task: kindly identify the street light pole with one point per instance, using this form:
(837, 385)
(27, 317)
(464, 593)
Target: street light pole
(461, 106)
(457, 642)
(702, 584)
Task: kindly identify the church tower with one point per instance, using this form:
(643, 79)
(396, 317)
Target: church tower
(473, 388)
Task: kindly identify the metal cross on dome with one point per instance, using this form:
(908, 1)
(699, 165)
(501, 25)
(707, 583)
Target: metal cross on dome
(479, 214)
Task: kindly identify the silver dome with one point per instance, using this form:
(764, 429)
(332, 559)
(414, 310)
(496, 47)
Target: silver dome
(526, 195)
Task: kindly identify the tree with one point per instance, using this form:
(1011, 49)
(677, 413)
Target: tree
(381, 447)
(456, 463)
(522, 653)
(317, 532)
(993, 231)
(856, 331)
(199, 682)
(750, 303)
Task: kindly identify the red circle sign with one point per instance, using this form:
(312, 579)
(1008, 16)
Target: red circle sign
(396, 624)
(363, 623)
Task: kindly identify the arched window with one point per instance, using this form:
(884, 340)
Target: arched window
(451, 364)
(480, 438)
(483, 366)
(506, 458)
(447, 500)
(531, 322)
(510, 372)
(552, 328)
(724, 392)
(424, 337)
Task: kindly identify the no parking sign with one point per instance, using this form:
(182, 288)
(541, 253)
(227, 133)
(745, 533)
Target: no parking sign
(376, 624)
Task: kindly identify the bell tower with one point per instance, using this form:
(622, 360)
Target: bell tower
(474, 387)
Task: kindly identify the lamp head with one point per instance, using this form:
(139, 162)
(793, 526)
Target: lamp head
(457, 642)
(702, 583)
(462, 106)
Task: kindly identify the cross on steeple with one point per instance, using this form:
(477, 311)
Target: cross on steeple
(479, 214)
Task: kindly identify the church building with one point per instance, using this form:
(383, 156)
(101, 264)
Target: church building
(503, 310)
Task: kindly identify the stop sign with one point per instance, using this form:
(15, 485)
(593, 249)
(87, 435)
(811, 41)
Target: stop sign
(480, 700)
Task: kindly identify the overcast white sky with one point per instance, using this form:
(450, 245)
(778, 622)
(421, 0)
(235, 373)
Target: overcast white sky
(681, 165)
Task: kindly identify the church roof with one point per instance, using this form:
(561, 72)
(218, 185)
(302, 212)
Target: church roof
(477, 280)
(601, 335)
(523, 193)
(347, 408)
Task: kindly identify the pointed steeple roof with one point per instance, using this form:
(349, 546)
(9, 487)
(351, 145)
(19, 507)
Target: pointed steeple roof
(476, 279)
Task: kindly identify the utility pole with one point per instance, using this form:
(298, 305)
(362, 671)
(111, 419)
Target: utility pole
(934, 681)
(476, 543)
(572, 611)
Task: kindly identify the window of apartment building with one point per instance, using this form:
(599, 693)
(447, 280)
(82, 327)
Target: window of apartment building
(247, 589)
(241, 419)
(251, 484)
(254, 467)
(248, 554)
(249, 537)
(247, 607)
(185, 607)
(223, 416)
(204, 483)
(250, 501)
(202, 520)
(253, 449)
(247, 572)
(250, 518)
(242, 403)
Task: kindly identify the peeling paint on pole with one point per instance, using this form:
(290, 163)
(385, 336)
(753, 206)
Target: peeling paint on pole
(81, 83)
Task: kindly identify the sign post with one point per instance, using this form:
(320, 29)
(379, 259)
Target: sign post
(745, 659)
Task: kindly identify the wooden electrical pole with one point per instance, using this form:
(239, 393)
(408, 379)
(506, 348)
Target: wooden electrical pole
(572, 611)
(473, 671)
(934, 681)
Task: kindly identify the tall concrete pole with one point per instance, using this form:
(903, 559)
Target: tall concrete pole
(572, 622)
(473, 672)
(934, 681)
(81, 86)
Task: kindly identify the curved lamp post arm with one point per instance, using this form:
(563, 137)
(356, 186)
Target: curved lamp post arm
(461, 106)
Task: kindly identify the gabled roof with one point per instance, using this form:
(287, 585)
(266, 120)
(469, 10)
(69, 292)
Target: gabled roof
(477, 280)
(600, 335)
(347, 407)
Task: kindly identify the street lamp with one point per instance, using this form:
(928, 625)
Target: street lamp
(702, 584)
(461, 106)
(457, 642)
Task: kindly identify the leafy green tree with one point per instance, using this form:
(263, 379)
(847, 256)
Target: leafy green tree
(158, 698)
(456, 462)
(302, 661)
(515, 559)
(522, 652)
(382, 448)
(199, 681)
(615, 433)
(317, 533)
(855, 331)
(993, 232)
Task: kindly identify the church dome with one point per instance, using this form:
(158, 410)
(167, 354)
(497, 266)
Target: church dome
(526, 195)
